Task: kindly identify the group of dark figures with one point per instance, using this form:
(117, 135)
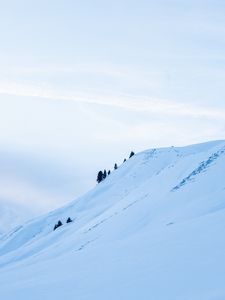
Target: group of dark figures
(60, 223)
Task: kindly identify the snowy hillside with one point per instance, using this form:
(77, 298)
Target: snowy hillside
(13, 214)
(153, 229)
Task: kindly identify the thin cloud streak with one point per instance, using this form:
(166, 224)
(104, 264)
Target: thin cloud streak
(128, 102)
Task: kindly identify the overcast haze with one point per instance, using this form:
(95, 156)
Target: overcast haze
(82, 83)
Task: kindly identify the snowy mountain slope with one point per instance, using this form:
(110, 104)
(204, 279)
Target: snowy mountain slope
(13, 214)
(37, 182)
(152, 230)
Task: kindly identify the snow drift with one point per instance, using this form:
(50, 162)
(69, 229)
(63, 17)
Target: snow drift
(13, 214)
(153, 229)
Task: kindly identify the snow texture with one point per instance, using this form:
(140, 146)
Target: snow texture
(13, 214)
(153, 229)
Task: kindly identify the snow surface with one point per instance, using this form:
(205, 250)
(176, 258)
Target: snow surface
(154, 229)
(13, 214)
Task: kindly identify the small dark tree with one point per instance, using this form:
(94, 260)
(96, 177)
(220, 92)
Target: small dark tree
(115, 167)
(104, 174)
(131, 154)
(124, 160)
(59, 223)
(69, 220)
(109, 172)
(100, 176)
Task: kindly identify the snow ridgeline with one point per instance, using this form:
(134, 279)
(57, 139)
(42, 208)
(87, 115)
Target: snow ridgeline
(153, 229)
(12, 214)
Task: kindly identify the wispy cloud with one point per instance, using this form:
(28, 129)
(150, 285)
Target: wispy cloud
(128, 102)
(90, 67)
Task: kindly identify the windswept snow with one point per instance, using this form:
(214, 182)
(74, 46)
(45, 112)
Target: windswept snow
(13, 214)
(154, 229)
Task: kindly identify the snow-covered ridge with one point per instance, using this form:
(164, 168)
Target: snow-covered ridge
(12, 214)
(202, 167)
(138, 220)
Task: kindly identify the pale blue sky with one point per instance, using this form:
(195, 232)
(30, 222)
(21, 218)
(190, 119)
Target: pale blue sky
(84, 82)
